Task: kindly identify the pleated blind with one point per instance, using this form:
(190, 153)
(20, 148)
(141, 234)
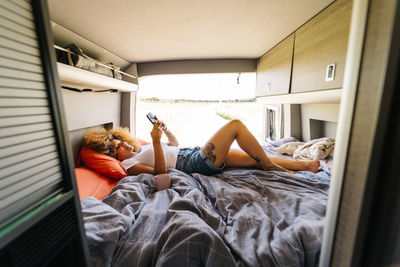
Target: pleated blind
(30, 170)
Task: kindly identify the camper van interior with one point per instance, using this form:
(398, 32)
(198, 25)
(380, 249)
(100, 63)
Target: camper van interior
(313, 81)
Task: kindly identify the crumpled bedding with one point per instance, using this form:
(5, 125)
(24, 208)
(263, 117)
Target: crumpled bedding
(315, 149)
(240, 217)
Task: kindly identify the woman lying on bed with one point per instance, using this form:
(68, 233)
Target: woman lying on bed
(212, 158)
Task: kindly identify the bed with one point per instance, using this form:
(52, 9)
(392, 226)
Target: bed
(240, 217)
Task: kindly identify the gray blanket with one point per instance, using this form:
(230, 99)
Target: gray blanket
(237, 218)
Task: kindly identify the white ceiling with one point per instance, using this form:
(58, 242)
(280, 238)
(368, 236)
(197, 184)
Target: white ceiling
(165, 30)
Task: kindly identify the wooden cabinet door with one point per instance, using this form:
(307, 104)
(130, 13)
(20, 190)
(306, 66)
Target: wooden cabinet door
(321, 42)
(274, 69)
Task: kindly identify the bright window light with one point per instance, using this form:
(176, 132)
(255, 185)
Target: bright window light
(225, 86)
(195, 106)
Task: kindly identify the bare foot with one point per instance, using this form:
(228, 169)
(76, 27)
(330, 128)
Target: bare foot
(312, 166)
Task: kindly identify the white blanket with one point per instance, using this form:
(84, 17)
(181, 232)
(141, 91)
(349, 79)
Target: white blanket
(288, 148)
(315, 149)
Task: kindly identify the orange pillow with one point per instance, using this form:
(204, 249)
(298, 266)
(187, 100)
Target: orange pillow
(91, 183)
(103, 164)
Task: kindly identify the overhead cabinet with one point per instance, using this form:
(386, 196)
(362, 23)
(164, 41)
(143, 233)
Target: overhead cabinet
(274, 69)
(311, 59)
(320, 49)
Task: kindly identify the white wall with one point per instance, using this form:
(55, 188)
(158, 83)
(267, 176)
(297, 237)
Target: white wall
(323, 112)
(89, 109)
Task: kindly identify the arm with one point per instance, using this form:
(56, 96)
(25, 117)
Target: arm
(172, 141)
(140, 168)
(159, 161)
(163, 181)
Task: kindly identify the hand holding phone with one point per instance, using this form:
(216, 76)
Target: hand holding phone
(151, 117)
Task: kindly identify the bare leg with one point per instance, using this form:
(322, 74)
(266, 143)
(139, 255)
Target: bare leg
(218, 146)
(297, 165)
(240, 159)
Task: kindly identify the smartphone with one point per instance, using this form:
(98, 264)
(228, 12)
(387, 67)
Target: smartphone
(151, 117)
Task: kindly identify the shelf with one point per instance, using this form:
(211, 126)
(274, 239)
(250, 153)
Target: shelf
(79, 78)
(324, 96)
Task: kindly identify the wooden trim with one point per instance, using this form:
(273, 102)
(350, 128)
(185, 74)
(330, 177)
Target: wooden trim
(378, 230)
(353, 210)
(350, 83)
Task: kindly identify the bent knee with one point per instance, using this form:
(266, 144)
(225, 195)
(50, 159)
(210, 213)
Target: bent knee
(236, 123)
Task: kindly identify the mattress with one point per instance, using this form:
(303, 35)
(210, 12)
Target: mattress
(240, 217)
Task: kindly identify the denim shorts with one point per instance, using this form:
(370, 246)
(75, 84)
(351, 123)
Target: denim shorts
(192, 160)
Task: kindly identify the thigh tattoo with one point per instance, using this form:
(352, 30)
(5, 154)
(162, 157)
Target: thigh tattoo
(208, 150)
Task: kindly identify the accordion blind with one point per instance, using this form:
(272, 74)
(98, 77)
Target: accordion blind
(30, 171)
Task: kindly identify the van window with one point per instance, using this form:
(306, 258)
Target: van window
(194, 106)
